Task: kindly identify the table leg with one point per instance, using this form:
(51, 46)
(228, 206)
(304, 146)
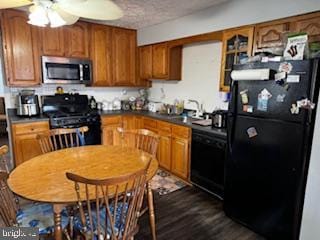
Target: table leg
(151, 211)
(57, 208)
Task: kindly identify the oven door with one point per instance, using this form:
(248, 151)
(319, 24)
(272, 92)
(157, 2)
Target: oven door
(59, 70)
(208, 154)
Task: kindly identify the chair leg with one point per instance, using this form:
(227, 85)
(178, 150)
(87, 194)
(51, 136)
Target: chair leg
(151, 212)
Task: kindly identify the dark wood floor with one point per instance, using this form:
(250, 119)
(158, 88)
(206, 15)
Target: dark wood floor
(191, 214)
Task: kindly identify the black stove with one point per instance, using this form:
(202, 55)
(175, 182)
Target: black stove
(72, 111)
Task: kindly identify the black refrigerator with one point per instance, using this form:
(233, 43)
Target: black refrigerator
(269, 148)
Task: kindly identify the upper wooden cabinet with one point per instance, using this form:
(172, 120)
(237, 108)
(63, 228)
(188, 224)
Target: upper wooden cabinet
(101, 55)
(77, 40)
(309, 24)
(270, 35)
(20, 48)
(160, 68)
(69, 41)
(236, 44)
(145, 62)
(52, 41)
(124, 46)
(166, 61)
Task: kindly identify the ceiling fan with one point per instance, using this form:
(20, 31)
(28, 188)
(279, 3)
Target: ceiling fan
(65, 12)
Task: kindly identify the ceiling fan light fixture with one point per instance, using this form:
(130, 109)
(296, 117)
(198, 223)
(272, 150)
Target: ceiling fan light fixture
(38, 16)
(55, 19)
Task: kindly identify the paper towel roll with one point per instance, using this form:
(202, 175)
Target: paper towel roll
(251, 74)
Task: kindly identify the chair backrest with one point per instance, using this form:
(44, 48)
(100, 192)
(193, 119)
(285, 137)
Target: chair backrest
(60, 138)
(142, 139)
(8, 202)
(3, 161)
(110, 208)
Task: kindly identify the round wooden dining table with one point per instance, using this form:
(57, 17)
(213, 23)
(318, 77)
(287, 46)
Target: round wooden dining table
(43, 178)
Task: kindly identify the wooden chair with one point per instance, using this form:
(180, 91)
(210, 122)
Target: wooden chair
(3, 161)
(142, 139)
(147, 141)
(61, 138)
(38, 215)
(115, 210)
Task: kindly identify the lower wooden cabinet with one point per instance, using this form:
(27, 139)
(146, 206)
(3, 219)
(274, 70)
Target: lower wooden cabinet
(180, 157)
(25, 144)
(164, 151)
(174, 145)
(109, 125)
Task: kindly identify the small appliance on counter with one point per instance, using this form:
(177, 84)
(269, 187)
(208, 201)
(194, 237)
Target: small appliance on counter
(27, 104)
(154, 106)
(219, 118)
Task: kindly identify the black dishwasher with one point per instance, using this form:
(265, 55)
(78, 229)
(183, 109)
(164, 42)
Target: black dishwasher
(208, 153)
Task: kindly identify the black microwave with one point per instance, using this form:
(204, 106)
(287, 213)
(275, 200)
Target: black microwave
(61, 70)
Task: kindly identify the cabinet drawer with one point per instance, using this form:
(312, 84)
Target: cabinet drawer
(111, 120)
(150, 124)
(27, 128)
(179, 131)
(164, 127)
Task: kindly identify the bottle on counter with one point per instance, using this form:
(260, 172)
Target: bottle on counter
(92, 103)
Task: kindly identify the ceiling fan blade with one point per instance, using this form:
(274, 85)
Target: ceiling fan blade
(68, 18)
(92, 9)
(14, 3)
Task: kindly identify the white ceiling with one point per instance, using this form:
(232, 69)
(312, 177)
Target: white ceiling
(143, 13)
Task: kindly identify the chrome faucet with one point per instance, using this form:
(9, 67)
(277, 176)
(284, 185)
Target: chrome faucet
(199, 110)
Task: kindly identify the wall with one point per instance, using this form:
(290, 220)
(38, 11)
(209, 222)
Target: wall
(100, 93)
(311, 214)
(225, 15)
(200, 78)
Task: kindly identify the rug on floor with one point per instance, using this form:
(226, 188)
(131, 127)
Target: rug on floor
(164, 183)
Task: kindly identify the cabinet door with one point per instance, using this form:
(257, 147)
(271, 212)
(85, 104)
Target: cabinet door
(22, 149)
(77, 40)
(270, 35)
(311, 26)
(139, 122)
(52, 41)
(124, 44)
(180, 157)
(21, 51)
(101, 50)
(237, 44)
(164, 151)
(110, 135)
(160, 61)
(129, 122)
(145, 60)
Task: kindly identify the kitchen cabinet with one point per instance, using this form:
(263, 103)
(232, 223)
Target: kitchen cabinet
(68, 41)
(101, 54)
(164, 148)
(25, 144)
(236, 44)
(77, 40)
(109, 126)
(20, 49)
(270, 34)
(160, 60)
(309, 24)
(166, 61)
(124, 46)
(180, 151)
(145, 60)
(52, 41)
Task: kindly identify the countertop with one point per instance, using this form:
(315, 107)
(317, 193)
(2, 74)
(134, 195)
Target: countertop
(13, 118)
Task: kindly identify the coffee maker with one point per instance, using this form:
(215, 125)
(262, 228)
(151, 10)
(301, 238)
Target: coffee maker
(27, 104)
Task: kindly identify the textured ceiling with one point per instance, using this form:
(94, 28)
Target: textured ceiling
(143, 13)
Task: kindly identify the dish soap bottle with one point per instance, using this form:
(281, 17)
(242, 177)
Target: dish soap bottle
(92, 103)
